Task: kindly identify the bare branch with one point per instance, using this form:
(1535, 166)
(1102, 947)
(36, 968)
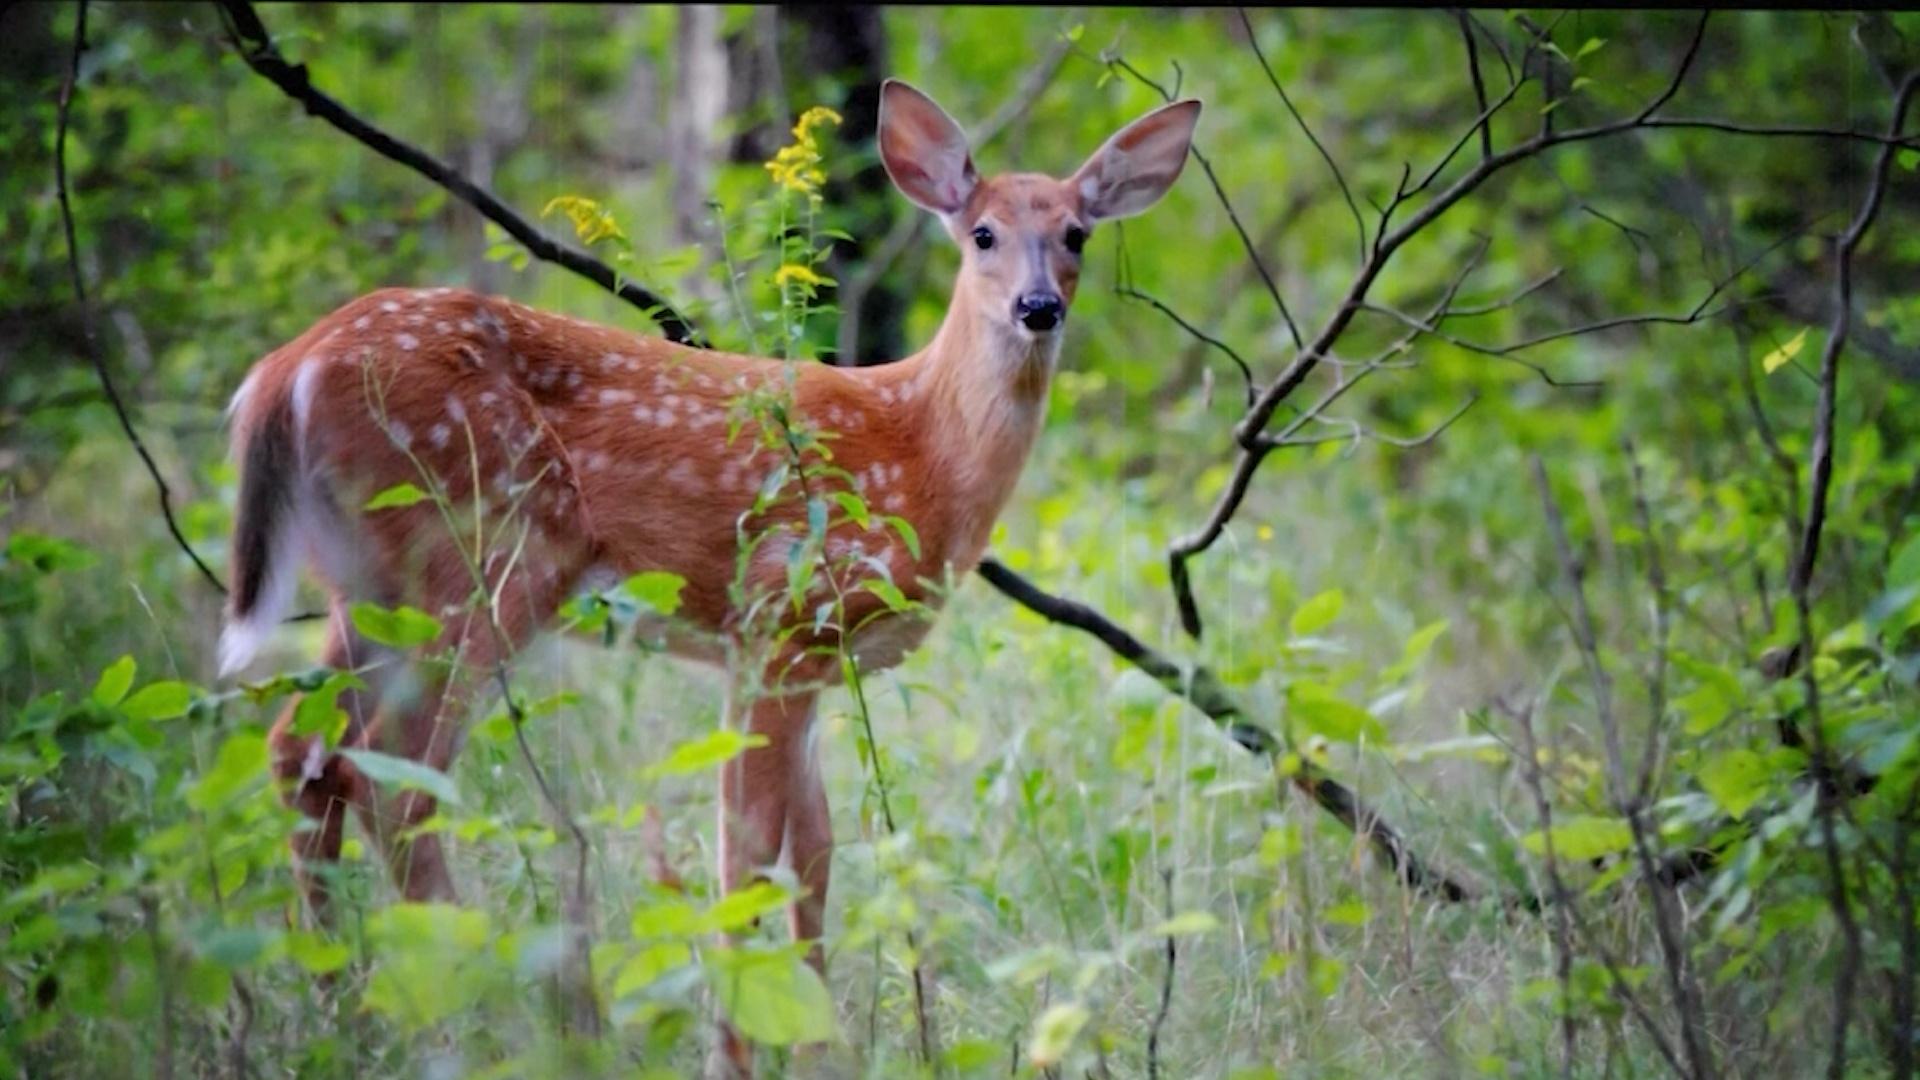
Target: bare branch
(1220, 193)
(256, 47)
(88, 333)
(1479, 85)
(1246, 373)
(1666, 920)
(1201, 688)
(1253, 42)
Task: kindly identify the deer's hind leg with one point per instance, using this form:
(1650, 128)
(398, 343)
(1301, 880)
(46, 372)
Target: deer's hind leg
(316, 780)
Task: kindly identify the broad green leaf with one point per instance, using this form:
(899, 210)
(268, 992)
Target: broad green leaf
(1321, 711)
(658, 589)
(315, 953)
(402, 627)
(1318, 613)
(771, 997)
(740, 907)
(1736, 779)
(1054, 1032)
(1904, 570)
(1582, 838)
(668, 918)
(1780, 357)
(648, 964)
(395, 496)
(114, 682)
(158, 701)
(319, 710)
(705, 752)
(240, 763)
(400, 772)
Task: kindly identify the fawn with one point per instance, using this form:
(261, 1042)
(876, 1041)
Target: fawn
(577, 454)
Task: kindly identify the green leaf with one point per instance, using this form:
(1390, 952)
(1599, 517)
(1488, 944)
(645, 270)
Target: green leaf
(114, 682)
(1582, 838)
(890, 593)
(397, 495)
(1414, 651)
(1054, 1032)
(740, 907)
(158, 701)
(315, 953)
(1904, 570)
(854, 505)
(907, 534)
(648, 964)
(705, 752)
(1186, 924)
(658, 589)
(1592, 45)
(402, 627)
(241, 762)
(1779, 357)
(1325, 713)
(319, 710)
(771, 997)
(400, 772)
(1735, 779)
(1318, 613)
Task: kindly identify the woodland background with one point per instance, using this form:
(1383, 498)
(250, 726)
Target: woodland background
(1569, 606)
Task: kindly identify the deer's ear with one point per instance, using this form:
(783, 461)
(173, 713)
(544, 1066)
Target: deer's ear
(1138, 164)
(923, 150)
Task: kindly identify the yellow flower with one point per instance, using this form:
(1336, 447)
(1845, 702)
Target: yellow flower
(797, 167)
(804, 275)
(592, 222)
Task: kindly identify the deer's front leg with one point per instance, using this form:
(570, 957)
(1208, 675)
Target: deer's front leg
(809, 847)
(757, 792)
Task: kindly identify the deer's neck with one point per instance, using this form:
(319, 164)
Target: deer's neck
(985, 398)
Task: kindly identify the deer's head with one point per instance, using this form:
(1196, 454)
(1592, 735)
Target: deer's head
(1020, 234)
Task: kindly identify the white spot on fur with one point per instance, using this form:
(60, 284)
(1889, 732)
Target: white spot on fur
(681, 475)
(407, 342)
(643, 414)
(487, 399)
(400, 433)
(389, 306)
(363, 322)
(443, 327)
(894, 502)
(456, 409)
(615, 397)
(439, 435)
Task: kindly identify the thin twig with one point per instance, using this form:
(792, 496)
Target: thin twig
(88, 334)
(1253, 42)
(1479, 84)
(1166, 988)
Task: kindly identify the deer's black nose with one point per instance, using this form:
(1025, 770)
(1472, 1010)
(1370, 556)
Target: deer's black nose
(1040, 311)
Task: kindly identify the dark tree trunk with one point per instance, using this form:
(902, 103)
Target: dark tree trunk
(825, 48)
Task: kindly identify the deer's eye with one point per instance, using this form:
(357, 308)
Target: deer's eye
(982, 237)
(1076, 238)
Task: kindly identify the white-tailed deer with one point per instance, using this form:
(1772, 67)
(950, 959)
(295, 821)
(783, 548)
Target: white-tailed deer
(565, 454)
